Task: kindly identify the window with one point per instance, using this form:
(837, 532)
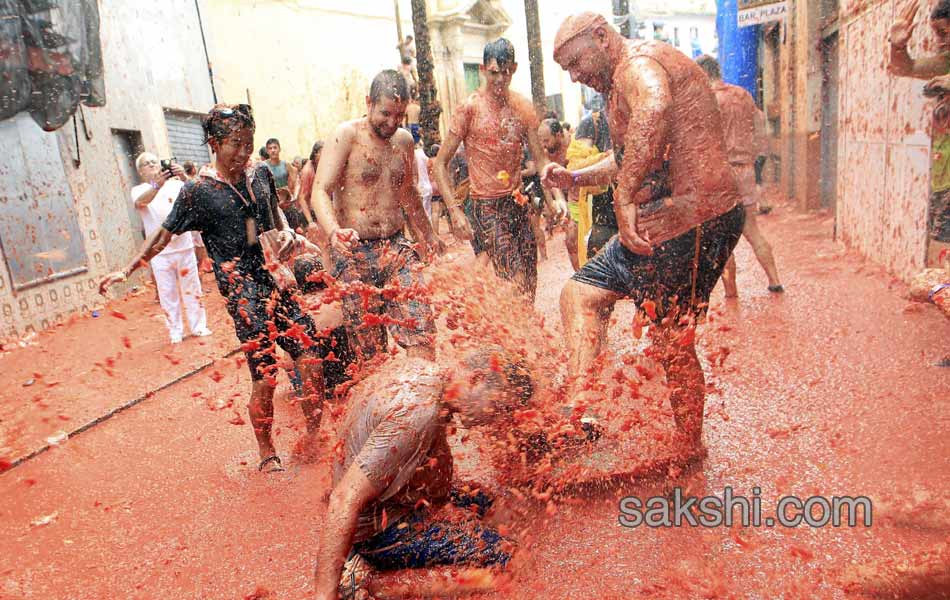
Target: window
(39, 231)
(473, 80)
(186, 138)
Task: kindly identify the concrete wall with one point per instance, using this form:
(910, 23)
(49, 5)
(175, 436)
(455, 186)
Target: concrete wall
(884, 142)
(153, 60)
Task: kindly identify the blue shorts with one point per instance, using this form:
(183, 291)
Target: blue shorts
(419, 540)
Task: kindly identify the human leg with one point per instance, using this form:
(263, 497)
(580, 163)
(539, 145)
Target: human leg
(166, 281)
(191, 294)
(761, 248)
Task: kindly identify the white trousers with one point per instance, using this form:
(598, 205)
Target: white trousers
(174, 269)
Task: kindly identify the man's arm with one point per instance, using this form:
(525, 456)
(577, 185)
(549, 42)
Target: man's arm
(146, 197)
(646, 90)
(440, 169)
(292, 179)
(329, 173)
(304, 192)
(901, 63)
(347, 500)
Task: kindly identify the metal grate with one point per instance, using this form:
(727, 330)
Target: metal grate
(186, 138)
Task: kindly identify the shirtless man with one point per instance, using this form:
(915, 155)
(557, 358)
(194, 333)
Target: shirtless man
(495, 123)
(393, 508)
(739, 115)
(935, 68)
(669, 253)
(368, 166)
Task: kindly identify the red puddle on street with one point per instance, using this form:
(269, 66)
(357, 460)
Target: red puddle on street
(826, 390)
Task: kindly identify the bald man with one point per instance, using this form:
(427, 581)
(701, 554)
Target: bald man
(669, 253)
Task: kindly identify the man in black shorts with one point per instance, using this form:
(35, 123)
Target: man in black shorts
(231, 206)
(668, 254)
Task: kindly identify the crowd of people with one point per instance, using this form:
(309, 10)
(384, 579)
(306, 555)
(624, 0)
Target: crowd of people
(325, 258)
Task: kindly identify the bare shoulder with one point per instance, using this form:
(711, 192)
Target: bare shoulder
(346, 131)
(403, 139)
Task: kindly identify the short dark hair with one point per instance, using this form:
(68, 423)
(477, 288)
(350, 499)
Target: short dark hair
(389, 83)
(189, 168)
(501, 51)
(263, 152)
(710, 65)
(272, 141)
(224, 119)
(553, 125)
(941, 11)
(566, 126)
(433, 150)
(317, 147)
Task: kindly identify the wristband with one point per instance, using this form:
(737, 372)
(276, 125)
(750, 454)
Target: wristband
(937, 289)
(155, 186)
(574, 178)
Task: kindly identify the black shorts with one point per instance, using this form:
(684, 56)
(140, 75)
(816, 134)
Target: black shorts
(666, 277)
(263, 315)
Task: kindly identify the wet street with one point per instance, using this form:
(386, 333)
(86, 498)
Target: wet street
(827, 390)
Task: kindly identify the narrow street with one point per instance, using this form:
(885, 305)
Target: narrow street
(828, 390)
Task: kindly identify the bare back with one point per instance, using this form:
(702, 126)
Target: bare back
(694, 144)
(374, 178)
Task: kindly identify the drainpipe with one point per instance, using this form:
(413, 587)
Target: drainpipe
(204, 42)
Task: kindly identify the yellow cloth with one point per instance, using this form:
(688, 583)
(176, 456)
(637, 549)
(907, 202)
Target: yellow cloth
(579, 156)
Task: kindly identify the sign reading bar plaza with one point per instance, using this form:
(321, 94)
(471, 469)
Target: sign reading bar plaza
(753, 12)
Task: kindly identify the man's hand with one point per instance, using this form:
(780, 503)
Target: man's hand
(179, 172)
(938, 86)
(343, 240)
(460, 227)
(673, 220)
(554, 175)
(634, 242)
(903, 26)
(288, 244)
(110, 280)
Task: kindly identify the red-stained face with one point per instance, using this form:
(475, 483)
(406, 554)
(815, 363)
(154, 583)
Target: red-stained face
(941, 29)
(232, 152)
(550, 141)
(585, 58)
(385, 115)
(498, 79)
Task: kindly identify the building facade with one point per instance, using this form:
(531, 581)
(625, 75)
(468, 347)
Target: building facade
(847, 136)
(66, 218)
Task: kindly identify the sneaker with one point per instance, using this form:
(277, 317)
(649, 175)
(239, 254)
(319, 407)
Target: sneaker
(176, 339)
(202, 332)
